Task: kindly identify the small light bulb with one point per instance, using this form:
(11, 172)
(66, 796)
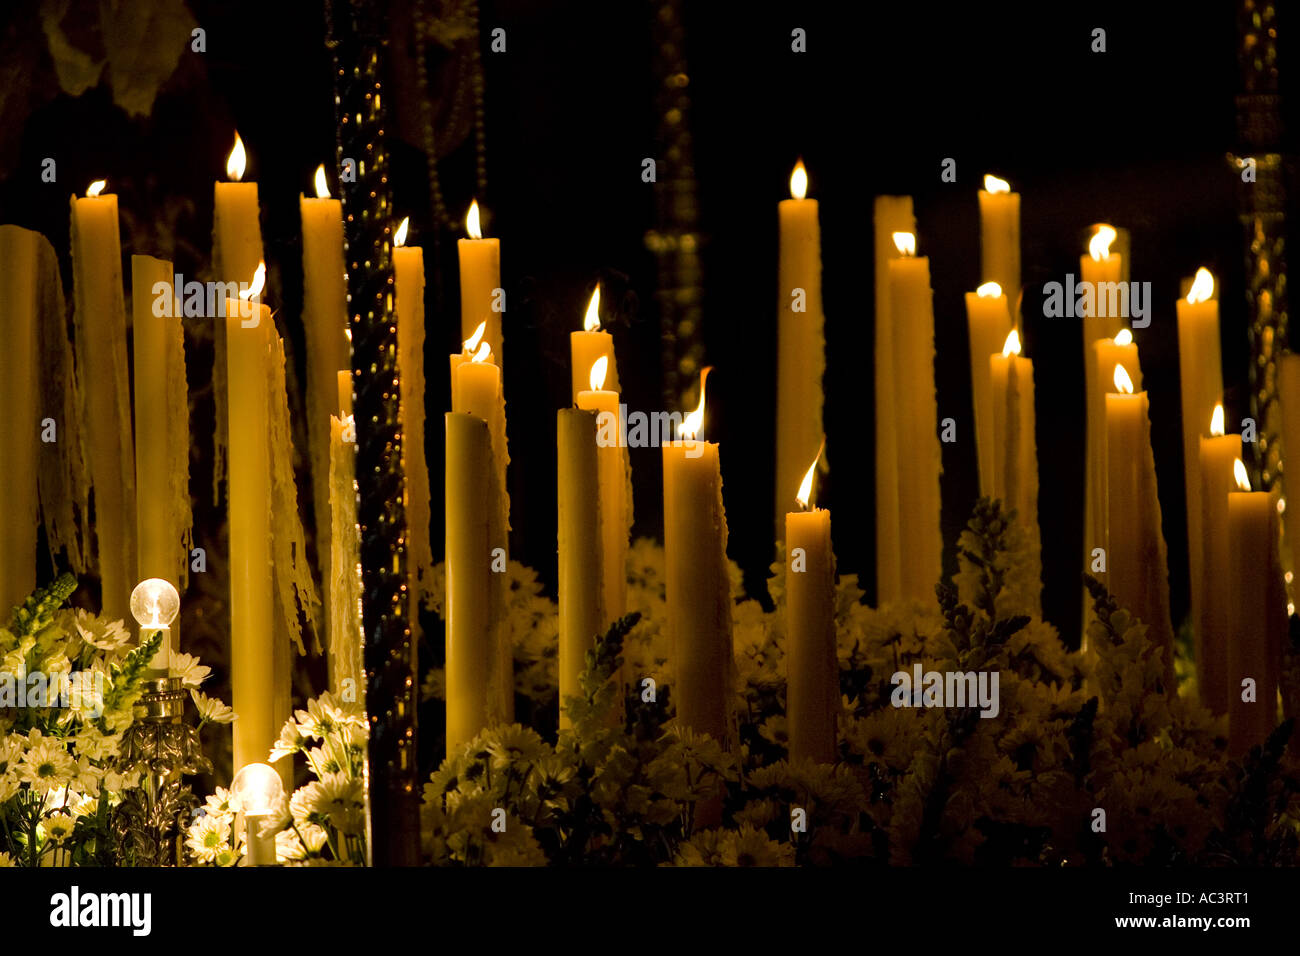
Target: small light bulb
(258, 789)
(155, 603)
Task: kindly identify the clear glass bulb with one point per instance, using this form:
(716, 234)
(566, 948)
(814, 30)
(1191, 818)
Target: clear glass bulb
(155, 603)
(258, 789)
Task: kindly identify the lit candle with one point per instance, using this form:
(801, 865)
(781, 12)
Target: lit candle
(1254, 651)
(1217, 452)
(325, 319)
(590, 344)
(614, 502)
(1288, 393)
(801, 342)
(1106, 354)
(476, 391)
(1137, 571)
(696, 581)
(919, 460)
(581, 615)
(893, 216)
(253, 672)
(162, 454)
(102, 367)
(1201, 381)
(813, 677)
(480, 278)
(408, 282)
(988, 322)
(1015, 464)
(1000, 237)
(20, 424)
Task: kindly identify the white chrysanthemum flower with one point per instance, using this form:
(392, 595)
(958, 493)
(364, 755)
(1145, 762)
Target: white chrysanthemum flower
(207, 837)
(95, 745)
(102, 633)
(288, 845)
(58, 826)
(189, 670)
(212, 709)
(291, 741)
(47, 765)
(222, 802)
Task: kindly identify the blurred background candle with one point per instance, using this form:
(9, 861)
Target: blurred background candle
(988, 322)
(813, 676)
(102, 368)
(801, 342)
(1216, 454)
(1000, 240)
(581, 615)
(162, 449)
(1254, 650)
(480, 277)
(590, 344)
(252, 625)
(1288, 393)
(920, 541)
(893, 215)
(19, 424)
(1137, 569)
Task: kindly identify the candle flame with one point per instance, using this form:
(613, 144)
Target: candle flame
(257, 285)
(1099, 245)
(1216, 422)
(804, 497)
(472, 222)
(1202, 287)
(598, 370)
(484, 352)
(399, 237)
(905, 243)
(1012, 345)
(799, 181)
(1123, 337)
(322, 187)
(472, 342)
(237, 160)
(1239, 473)
(95, 188)
(695, 420)
(994, 185)
(989, 290)
(591, 321)
(1123, 384)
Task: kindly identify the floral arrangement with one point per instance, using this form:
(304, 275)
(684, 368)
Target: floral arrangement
(1090, 759)
(323, 823)
(60, 781)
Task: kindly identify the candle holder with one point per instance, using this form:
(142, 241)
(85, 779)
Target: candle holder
(163, 748)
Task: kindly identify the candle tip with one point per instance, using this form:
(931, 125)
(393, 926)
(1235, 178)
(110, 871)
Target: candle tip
(399, 237)
(237, 160)
(95, 188)
(1012, 344)
(1202, 287)
(599, 369)
(257, 285)
(591, 321)
(992, 184)
(1216, 421)
(804, 497)
(1124, 337)
(799, 181)
(1099, 245)
(472, 342)
(905, 243)
(1239, 473)
(690, 428)
(472, 225)
(1123, 384)
(989, 290)
(322, 187)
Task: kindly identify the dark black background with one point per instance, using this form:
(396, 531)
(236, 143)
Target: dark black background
(1137, 136)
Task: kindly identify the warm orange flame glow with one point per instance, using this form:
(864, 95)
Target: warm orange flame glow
(804, 497)
(1202, 287)
(399, 237)
(257, 285)
(994, 185)
(1012, 345)
(1239, 473)
(322, 187)
(1216, 422)
(695, 420)
(591, 321)
(484, 352)
(472, 222)
(95, 188)
(598, 370)
(1123, 384)
(1123, 337)
(905, 243)
(237, 161)
(989, 290)
(799, 181)
(472, 342)
(1099, 244)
